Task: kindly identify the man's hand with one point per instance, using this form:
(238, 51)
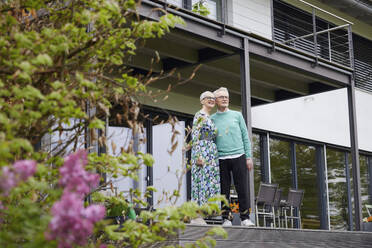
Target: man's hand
(249, 164)
(199, 162)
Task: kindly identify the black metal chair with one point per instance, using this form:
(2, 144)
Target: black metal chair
(369, 209)
(293, 202)
(265, 199)
(278, 204)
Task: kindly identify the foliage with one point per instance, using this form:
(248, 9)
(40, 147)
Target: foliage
(62, 68)
(200, 8)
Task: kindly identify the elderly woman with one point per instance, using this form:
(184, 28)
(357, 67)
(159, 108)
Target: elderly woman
(205, 173)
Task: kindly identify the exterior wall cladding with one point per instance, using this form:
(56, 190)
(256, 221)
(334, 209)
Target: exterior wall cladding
(311, 125)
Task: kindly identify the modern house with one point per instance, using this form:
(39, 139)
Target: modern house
(300, 72)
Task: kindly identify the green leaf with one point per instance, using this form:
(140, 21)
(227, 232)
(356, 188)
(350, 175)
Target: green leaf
(43, 59)
(97, 123)
(148, 159)
(26, 66)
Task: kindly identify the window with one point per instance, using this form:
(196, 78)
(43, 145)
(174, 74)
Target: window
(178, 3)
(214, 6)
(280, 164)
(307, 180)
(256, 154)
(337, 189)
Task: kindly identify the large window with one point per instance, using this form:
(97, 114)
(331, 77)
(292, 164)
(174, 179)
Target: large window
(280, 164)
(256, 153)
(337, 189)
(364, 183)
(307, 180)
(214, 6)
(364, 180)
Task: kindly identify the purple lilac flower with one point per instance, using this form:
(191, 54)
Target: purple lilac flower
(11, 176)
(25, 168)
(1, 213)
(72, 223)
(94, 213)
(74, 177)
(8, 180)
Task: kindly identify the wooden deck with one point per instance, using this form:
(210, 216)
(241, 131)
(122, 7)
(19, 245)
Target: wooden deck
(276, 238)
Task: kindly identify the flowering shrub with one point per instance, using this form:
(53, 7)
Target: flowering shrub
(72, 224)
(62, 61)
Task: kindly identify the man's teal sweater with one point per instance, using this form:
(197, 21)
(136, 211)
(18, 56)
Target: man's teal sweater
(232, 135)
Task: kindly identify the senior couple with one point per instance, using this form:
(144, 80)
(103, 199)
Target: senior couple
(220, 146)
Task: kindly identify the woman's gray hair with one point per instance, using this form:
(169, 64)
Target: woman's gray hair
(205, 94)
(221, 89)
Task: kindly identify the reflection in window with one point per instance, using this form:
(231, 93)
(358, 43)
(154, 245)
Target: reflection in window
(364, 183)
(364, 179)
(177, 3)
(280, 164)
(337, 189)
(256, 151)
(307, 180)
(214, 7)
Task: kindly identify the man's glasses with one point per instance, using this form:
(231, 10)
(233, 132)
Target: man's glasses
(222, 97)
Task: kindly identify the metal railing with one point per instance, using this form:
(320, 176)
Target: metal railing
(363, 74)
(306, 31)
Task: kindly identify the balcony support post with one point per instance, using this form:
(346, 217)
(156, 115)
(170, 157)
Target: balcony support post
(245, 79)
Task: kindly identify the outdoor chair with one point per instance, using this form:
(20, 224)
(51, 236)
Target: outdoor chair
(265, 200)
(278, 204)
(294, 202)
(369, 209)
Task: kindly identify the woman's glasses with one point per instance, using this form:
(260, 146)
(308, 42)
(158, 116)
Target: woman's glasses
(210, 98)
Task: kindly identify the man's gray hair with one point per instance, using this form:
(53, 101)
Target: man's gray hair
(205, 94)
(221, 89)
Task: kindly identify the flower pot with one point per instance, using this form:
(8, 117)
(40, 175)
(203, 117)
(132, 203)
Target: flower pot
(367, 226)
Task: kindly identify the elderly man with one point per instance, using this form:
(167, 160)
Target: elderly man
(234, 151)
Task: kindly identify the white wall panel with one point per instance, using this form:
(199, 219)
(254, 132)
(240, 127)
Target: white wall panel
(121, 137)
(168, 166)
(363, 102)
(322, 117)
(252, 15)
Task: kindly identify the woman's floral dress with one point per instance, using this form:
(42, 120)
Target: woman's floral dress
(205, 180)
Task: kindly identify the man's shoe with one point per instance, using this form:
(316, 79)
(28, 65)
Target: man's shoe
(247, 222)
(226, 223)
(198, 221)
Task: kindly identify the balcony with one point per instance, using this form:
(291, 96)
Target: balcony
(302, 29)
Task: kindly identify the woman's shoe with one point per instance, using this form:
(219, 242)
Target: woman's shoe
(247, 222)
(198, 221)
(226, 222)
